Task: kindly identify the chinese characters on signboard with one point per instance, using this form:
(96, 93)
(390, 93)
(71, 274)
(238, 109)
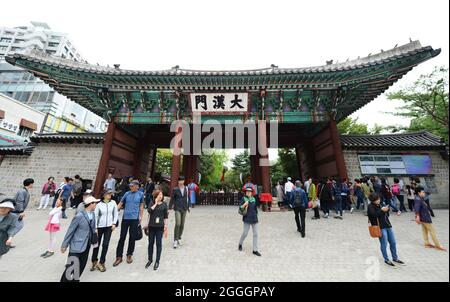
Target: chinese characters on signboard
(4, 124)
(219, 102)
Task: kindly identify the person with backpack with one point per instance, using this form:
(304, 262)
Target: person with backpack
(359, 194)
(397, 192)
(299, 203)
(249, 212)
(65, 194)
(379, 216)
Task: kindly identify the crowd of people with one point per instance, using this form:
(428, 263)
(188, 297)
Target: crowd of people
(95, 220)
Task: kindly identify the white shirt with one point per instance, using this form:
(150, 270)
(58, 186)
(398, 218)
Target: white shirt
(55, 213)
(288, 187)
(307, 184)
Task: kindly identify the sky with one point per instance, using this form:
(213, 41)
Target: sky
(242, 34)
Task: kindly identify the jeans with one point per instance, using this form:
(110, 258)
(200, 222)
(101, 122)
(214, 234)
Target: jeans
(69, 273)
(180, 218)
(132, 226)
(391, 202)
(388, 236)
(255, 235)
(359, 202)
(106, 232)
(411, 204)
(155, 234)
(300, 219)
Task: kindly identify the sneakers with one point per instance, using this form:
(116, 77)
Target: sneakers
(156, 266)
(148, 264)
(175, 244)
(399, 213)
(399, 262)
(389, 264)
(326, 215)
(338, 217)
(101, 267)
(179, 242)
(49, 254)
(257, 253)
(94, 266)
(240, 247)
(351, 210)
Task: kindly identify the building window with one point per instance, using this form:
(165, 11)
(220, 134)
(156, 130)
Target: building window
(25, 132)
(6, 40)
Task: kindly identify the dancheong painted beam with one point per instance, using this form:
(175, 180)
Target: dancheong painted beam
(288, 95)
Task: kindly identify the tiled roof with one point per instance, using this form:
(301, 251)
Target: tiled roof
(70, 137)
(411, 48)
(17, 149)
(413, 140)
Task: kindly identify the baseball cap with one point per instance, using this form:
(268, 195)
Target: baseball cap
(134, 183)
(90, 199)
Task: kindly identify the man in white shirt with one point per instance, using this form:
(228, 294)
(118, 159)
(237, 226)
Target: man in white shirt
(288, 187)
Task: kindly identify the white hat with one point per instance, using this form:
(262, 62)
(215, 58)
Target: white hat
(88, 192)
(289, 178)
(7, 204)
(90, 199)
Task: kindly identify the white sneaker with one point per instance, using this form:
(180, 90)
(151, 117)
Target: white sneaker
(175, 244)
(351, 210)
(399, 212)
(179, 242)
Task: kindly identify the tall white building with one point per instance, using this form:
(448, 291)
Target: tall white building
(63, 115)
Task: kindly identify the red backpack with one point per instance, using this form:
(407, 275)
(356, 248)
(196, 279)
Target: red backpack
(395, 189)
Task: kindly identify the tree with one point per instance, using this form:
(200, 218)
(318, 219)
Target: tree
(163, 162)
(351, 126)
(241, 164)
(287, 160)
(211, 167)
(426, 102)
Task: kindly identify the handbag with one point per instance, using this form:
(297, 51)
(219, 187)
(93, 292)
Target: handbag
(243, 211)
(139, 233)
(375, 230)
(309, 204)
(94, 235)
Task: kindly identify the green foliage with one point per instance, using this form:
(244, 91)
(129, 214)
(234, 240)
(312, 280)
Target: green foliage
(287, 161)
(163, 161)
(211, 167)
(351, 126)
(426, 102)
(241, 164)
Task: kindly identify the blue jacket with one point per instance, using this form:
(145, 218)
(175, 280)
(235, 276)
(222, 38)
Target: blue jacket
(78, 236)
(303, 197)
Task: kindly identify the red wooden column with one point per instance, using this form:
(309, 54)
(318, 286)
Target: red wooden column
(340, 162)
(104, 159)
(263, 158)
(153, 159)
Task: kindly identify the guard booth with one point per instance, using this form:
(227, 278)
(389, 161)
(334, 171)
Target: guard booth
(304, 104)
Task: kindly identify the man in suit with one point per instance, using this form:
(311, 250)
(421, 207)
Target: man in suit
(179, 202)
(79, 239)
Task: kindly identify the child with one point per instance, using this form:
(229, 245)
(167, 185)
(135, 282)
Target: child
(53, 227)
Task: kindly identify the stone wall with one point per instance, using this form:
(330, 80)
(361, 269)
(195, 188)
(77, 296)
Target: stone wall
(440, 167)
(49, 159)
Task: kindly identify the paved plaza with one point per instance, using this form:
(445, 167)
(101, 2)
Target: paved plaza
(333, 250)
